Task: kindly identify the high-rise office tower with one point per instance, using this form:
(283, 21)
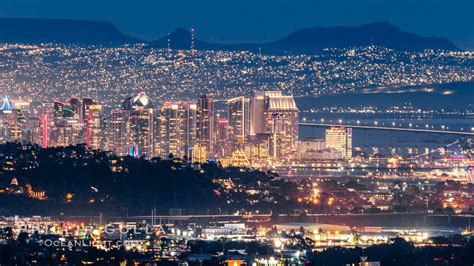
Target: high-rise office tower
(26, 117)
(222, 148)
(118, 140)
(239, 119)
(205, 126)
(35, 125)
(88, 114)
(257, 102)
(340, 139)
(66, 130)
(86, 103)
(76, 106)
(12, 122)
(45, 124)
(177, 129)
(72, 123)
(281, 121)
(170, 130)
(60, 112)
(92, 125)
(275, 115)
(190, 130)
(141, 125)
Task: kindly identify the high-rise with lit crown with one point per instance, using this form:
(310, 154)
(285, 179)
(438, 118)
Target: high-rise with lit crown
(276, 116)
(141, 126)
(281, 121)
(12, 122)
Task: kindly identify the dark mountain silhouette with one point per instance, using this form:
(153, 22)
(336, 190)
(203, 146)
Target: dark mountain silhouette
(377, 33)
(34, 31)
(311, 40)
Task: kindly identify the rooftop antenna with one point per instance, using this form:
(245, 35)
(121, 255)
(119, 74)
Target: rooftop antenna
(169, 45)
(192, 41)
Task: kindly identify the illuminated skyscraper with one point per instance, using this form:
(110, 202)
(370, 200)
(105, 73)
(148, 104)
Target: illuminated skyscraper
(86, 103)
(73, 123)
(340, 139)
(205, 126)
(222, 148)
(45, 124)
(177, 129)
(12, 122)
(281, 121)
(140, 118)
(91, 116)
(118, 140)
(275, 115)
(76, 106)
(239, 119)
(39, 135)
(257, 102)
(61, 112)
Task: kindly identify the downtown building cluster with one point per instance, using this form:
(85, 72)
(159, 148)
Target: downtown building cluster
(255, 130)
(51, 124)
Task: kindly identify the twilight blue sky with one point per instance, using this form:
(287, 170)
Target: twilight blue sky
(257, 20)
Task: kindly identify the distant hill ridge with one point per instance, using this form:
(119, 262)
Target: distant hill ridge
(31, 30)
(309, 40)
(377, 33)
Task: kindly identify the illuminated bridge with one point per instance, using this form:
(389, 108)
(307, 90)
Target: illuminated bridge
(411, 129)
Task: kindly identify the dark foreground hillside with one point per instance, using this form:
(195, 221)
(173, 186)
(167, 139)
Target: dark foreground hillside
(75, 180)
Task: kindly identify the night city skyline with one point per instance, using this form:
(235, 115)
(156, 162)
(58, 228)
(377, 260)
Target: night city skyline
(236, 133)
